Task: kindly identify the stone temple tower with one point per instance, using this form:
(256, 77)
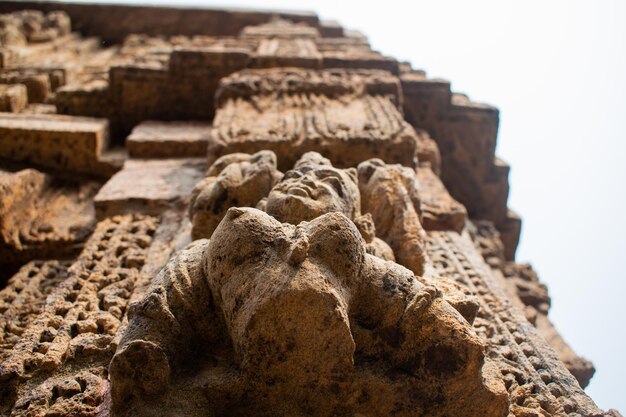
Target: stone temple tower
(210, 212)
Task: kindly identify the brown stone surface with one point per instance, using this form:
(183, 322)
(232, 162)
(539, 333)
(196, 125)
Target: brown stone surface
(37, 84)
(280, 29)
(530, 294)
(287, 53)
(336, 346)
(42, 216)
(537, 381)
(234, 180)
(24, 296)
(63, 143)
(391, 194)
(13, 98)
(439, 210)
(32, 26)
(59, 364)
(351, 118)
(149, 186)
(151, 78)
(323, 265)
(63, 343)
(580, 367)
(466, 134)
(154, 139)
(95, 20)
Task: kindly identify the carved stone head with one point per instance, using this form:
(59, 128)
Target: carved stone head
(313, 188)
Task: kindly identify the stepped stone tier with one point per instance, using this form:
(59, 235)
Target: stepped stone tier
(213, 212)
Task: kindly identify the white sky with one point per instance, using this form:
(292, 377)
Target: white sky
(557, 71)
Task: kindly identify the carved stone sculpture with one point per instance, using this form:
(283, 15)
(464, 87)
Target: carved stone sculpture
(350, 250)
(286, 308)
(236, 180)
(312, 188)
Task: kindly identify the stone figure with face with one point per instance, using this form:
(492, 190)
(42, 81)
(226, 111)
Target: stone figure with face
(314, 187)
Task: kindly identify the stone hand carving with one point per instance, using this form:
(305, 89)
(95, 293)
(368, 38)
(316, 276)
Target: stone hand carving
(271, 318)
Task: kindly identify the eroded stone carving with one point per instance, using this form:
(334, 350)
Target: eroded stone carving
(42, 216)
(235, 180)
(537, 381)
(349, 116)
(530, 294)
(32, 26)
(274, 309)
(59, 363)
(310, 316)
(388, 193)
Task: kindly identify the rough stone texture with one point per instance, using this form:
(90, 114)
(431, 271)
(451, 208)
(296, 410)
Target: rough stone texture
(530, 294)
(287, 53)
(537, 381)
(62, 344)
(439, 210)
(580, 367)
(42, 216)
(346, 302)
(346, 116)
(13, 98)
(387, 219)
(390, 193)
(95, 20)
(32, 26)
(466, 134)
(154, 139)
(280, 29)
(62, 143)
(235, 180)
(24, 296)
(60, 363)
(154, 79)
(149, 186)
(296, 305)
(37, 84)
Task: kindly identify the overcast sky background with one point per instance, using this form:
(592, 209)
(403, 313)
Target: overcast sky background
(556, 69)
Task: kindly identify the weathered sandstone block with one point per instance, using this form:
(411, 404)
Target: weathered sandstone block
(342, 276)
(537, 381)
(530, 294)
(23, 298)
(37, 84)
(149, 186)
(154, 139)
(63, 143)
(297, 52)
(390, 193)
(439, 210)
(59, 364)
